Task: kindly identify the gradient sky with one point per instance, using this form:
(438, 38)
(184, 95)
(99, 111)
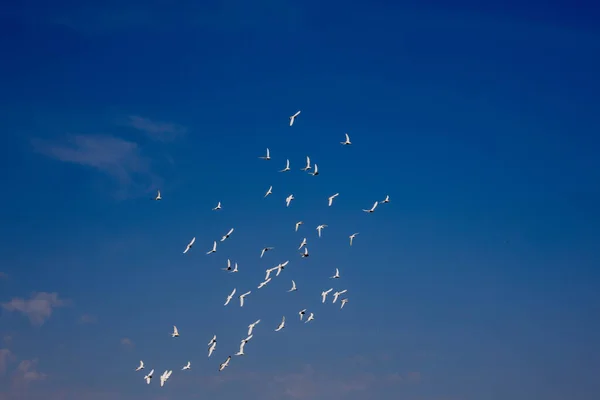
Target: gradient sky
(476, 282)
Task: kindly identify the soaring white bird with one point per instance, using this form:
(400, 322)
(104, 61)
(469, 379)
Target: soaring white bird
(268, 156)
(316, 171)
(347, 142)
(344, 301)
(187, 366)
(235, 268)
(320, 228)
(141, 367)
(298, 225)
(332, 197)
(288, 200)
(228, 268)
(325, 293)
(242, 344)
(311, 316)
(287, 166)
(337, 294)
(293, 118)
(301, 313)
(264, 250)
(218, 207)
(269, 270)
(263, 284)
(281, 325)
(190, 244)
(305, 254)
(352, 237)
(213, 340)
(214, 248)
(337, 274)
(164, 377)
(158, 196)
(302, 244)
(227, 235)
(294, 288)
(307, 167)
(372, 208)
(148, 377)
(212, 348)
(242, 297)
(270, 191)
(251, 326)
(224, 364)
(230, 296)
(387, 199)
(175, 332)
(280, 267)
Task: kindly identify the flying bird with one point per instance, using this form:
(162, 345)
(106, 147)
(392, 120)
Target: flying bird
(218, 207)
(268, 156)
(269, 270)
(164, 377)
(230, 297)
(298, 225)
(287, 166)
(262, 253)
(158, 196)
(214, 248)
(187, 366)
(293, 118)
(212, 348)
(263, 284)
(344, 301)
(227, 235)
(352, 237)
(387, 199)
(242, 344)
(310, 318)
(175, 332)
(294, 288)
(190, 244)
(224, 364)
(324, 294)
(372, 208)
(270, 191)
(281, 325)
(213, 340)
(316, 171)
(347, 142)
(228, 268)
(301, 313)
(337, 294)
(302, 244)
(305, 254)
(332, 197)
(320, 228)
(141, 367)
(307, 167)
(235, 268)
(242, 297)
(251, 326)
(288, 200)
(148, 377)
(280, 267)
(337, 274)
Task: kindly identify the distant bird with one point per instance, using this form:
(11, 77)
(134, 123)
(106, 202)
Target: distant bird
(213, 340)
(242, 297)
(372, 208)
(320, 228)
(187, 366)
(294, 288)
(141, 367)
(288, 200)
(190, 244)
(262, 284)
(347, 142)
(301, 313)
(269, 270)
(212, 348)
(148, 377)
(242, 344)
(214, 248)
(307, 167)
(164, 377)
(158, 196)
(268, 156)
(316, 171)
(311, 317)
(224, 364)
(280, 267)
(252, 325)
(175, 332)
(228, 268)
(298, 225)
(270, 191)
(264, 250)
(325, 293)
(218, 207)
(281, 325)
(287, 166)
(305, 254)
(230, 297)
(337, 294)
(227, 235)
(235, 268)
(387, 199)
(352, 237)
(332, 197)
(344, 301)
(302, 244)
(293, 118)
(337, 274)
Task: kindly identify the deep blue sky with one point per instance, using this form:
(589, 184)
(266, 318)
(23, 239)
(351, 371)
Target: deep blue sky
(477, 281)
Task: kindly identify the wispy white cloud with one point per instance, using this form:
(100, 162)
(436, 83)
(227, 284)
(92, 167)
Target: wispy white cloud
(127, 342)
(38, 308)
(27, 373)
(88, 319)
(160, 131)
(5, 355)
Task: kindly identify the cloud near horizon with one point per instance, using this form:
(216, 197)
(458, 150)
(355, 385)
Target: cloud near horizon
(38, 308)
(156, 130)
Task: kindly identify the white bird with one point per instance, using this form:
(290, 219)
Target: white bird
(294, 288)
(332, 197)
(301, 313)
(344, 301)
(270, 191)
(213, 340)
(263, 251)
(268, 156)
(298, 225)
(230, 297)
(387, 199)
(293, 118)
(307, 167)
(280, 267)
(242, 297)
(187, 366)
(288, 200)
(305, 254)
(347, 142)
(352, 237)
(164, 377)
(337, 294)
(269, 270)
(190, 244)
(316, 171)
(325, 293)
(302, 244)
(310, 318)
(212, 348)
(227, 235)
(281, 325)
(320, 228)
(218, 207)
(251, 326)
(228, 268)
(263, 284)
(235, 268)
(224, 364)
(158, 196)
(242, 344)
(141, 367)
(372, 208)
(175, 332)
(287, 166)
(337, 274)
(148, 377)
(214, 248)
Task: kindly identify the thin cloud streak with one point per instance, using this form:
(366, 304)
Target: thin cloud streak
(38, 308)
(159, 131)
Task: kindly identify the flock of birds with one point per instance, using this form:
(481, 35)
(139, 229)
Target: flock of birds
(233, 268)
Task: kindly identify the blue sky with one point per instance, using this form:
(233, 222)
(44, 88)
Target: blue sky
(476, 282)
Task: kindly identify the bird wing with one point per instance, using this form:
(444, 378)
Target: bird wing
(348, 138)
